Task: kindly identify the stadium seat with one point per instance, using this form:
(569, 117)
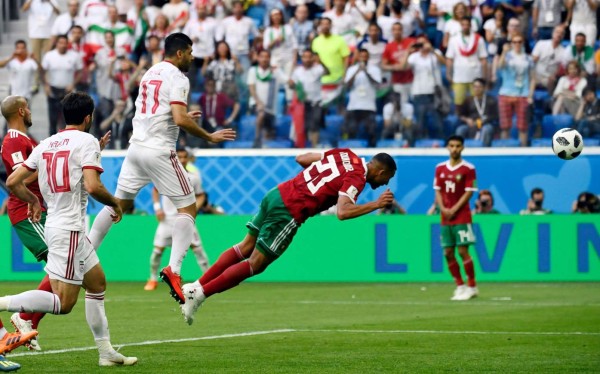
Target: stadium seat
(591, 142)
(195, 98)
(238, 144)
(247, 128)
(392, 143)
(540, 95)
(506, 143)
(333, 128)
(277, 144)
(450, 123)
(562, 121)
(548, 127)
(282, 127)
(541, 142)
(353, 143)
(429, 143)
(473, 143)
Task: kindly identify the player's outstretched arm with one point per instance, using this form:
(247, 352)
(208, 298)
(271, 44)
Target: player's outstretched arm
(347, 209)
(306, 159)
(94, 186)
(187, 121)
(16, 185)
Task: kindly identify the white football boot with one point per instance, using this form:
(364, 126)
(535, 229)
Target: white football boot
(459, 292)
(24, 327)
(194, 297)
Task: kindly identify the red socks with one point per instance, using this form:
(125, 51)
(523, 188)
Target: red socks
(455, 271)
(230, 257)
(470, 271)
(36, 317)
(231, 277)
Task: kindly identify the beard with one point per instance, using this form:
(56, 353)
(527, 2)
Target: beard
(28, 122)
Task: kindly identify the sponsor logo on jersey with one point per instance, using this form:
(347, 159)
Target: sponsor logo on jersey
(17, 157)
(97, 157)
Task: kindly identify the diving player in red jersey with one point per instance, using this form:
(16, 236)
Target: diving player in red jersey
(336, 177)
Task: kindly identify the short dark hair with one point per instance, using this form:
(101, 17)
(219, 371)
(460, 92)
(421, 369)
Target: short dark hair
(176, 42)
(364, 50)
(536, 191)
(76, 106)
(326, 19)
(480, 80)
(76, 27)
(587, 90)
(458, 138)
(386, 161)
(21, 41)
(181, 149)
(580, 34)
(63, 36)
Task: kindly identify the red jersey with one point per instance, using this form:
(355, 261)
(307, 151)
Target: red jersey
(453, 182)
(394, 53)
(317, 188)
(16, 148)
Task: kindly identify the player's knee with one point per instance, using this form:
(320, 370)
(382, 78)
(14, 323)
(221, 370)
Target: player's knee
(67, 304)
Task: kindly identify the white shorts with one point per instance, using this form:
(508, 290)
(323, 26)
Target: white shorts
(70, 255)
(143, 165)
(164, 234)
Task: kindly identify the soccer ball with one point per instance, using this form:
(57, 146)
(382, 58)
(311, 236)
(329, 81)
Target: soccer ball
(567, 143)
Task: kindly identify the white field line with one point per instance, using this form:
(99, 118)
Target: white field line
(268, 332)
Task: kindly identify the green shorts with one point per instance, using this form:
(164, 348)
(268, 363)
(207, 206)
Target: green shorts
(273, 226)
(457, 235)
(32, 237)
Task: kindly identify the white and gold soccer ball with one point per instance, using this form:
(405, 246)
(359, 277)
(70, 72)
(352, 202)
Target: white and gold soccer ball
(567, 143)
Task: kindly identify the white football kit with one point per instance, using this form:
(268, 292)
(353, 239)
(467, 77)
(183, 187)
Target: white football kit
(60, 160)
(151, 155)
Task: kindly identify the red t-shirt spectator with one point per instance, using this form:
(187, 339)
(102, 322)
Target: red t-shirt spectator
(215, 106)
(393, 53)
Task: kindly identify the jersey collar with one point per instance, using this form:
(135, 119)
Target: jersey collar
(18, 132)
(452, 168)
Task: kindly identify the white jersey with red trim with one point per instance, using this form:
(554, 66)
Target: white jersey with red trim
(60, 160)
(153, 126)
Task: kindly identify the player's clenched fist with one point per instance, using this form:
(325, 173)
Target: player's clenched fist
(118, 213)
(385, 199)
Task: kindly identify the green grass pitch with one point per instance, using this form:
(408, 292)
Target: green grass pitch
(334, 328)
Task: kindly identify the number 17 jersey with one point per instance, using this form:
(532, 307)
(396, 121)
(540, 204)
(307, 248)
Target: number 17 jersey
(317, 188)
(153, 125)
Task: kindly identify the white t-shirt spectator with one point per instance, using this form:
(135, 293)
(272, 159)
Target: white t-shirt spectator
(363, 92)
(21, 76)
(60, 69)
(237, 33)
(426, 72)
(446, 6)
(94, 12)
(406, 112)
(311, 81)
(266, 89)
(467, 65)
(40, 19)
(365, 6)
(453, 27)
(375, 50)
(175, 12)
(282, 54)
(343, 25)
(386, 23)
(550, 58)
(202, 32)
(63, 23)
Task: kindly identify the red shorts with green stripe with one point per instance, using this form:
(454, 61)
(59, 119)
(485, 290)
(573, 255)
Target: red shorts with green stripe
(273, 226)
(32, 237)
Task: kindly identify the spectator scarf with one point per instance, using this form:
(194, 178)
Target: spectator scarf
(464, 48)
(573, 82)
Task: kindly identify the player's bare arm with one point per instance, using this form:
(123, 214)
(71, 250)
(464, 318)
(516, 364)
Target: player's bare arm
(32, 178)
(440, 202)
(200, 200)
(306, 159)
(464, 199)
(187, 121)
(16, 185)
(94, 186)
(347, 209)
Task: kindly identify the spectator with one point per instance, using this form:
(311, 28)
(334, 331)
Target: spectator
(398, 120)
(516, 91)
(77, 44)
(396, 16)
(115, 122)
(535, 203)
(466, 60)
(588, 114)
(123, 33)
(395, 51)
(177, 12)
(548, 56)
(154, 51)
(61, 71)
(373, 43)
(214, 106)
(306, 79)
(512, 29)
(94, 12)
(279, 39)
(161, 28)
(495, 30)
(256, 47)
(334, 55)
(393, 208)
(586, 203)
(425, 64)
(140, 18)
(362, 12)
(583, 54)
(40, 17)
(304, 29)
(223, 69)
(362, 81)
(264, 82)
(546, 16)
(452, 27)
(342, 23)
(485, 203)
(581, 16)
(121, 72)
(442, 10)
(511, 8)
(568, 91)
(236, 30)
(479, 115)
(202, 31)
(65, 21)
(22, 69)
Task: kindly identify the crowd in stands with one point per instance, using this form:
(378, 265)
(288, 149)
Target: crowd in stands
(329, 72)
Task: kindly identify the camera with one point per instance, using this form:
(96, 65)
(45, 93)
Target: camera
(418, 45)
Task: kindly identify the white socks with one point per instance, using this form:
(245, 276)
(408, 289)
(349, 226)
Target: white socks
(183, 230)
(102, 224)
(31, 301)
(201, 258)
(155, 263)
(96, 316)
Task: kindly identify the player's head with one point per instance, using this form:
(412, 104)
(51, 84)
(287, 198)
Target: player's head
(183, 156)
(78, 110)
(15, 108)
(380, 170)
(178, 50)
(455, 145)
